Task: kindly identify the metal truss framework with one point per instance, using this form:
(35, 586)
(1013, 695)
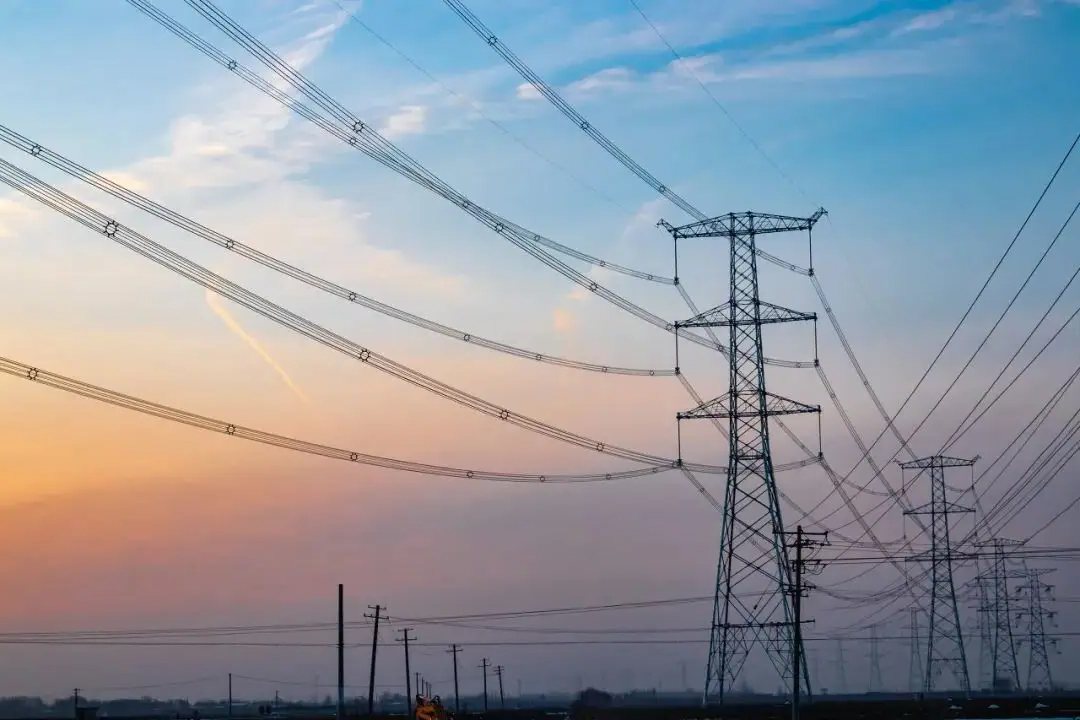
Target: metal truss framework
(998, 623)
(944, 644)
(1039, 676)
(754, 576)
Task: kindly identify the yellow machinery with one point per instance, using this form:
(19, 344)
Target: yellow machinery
(430, 709)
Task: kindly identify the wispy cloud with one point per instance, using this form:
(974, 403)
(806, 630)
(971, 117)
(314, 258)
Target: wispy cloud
(409, 120)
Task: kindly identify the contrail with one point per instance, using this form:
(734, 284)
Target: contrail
(215, 304)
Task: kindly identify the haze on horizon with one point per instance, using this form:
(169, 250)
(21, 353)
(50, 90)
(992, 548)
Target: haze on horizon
(926, 128)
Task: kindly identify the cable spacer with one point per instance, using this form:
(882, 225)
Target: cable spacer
(111, 227)
(467, 337)
(353, 456)
(469, 473)
(32, 374)
(358, 126)
(504, 414)
(230, 244)
(230, 429)
(352, 297)
(600, 447)
(35, 149)
(364, 355)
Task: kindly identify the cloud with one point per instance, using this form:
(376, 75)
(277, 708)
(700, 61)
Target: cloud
(614, 79)
(929, 20)
(528, 91)
(563, 321)
(409, 120)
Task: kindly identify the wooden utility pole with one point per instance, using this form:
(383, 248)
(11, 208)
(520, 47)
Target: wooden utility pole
(340, 652)
(454, 650)
(374, 650)
(230, 694)
(484, 666)
(408, 673)
(502, 698)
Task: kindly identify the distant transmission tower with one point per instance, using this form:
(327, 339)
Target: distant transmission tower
(983, 624)
(876, 684)
(754, 577)
(915, 674)
(1039, 676)
(841, 673)
(944, 640)
(1005, 674)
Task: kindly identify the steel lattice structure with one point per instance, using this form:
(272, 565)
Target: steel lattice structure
(944, 638)
(1039, 676)
(1004, 670)
(753, 558)
(915, 660)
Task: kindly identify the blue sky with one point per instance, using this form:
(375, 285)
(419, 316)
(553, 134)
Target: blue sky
(926, 128)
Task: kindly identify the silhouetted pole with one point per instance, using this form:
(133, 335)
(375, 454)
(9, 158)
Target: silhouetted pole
(340, 653)
(230, 694)
(484, 666)
(454, 650)
(502, 699)
(76, 708)
(374, 650)
(419, 687)
(408, 673)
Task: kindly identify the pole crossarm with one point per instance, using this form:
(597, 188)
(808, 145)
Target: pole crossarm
(767, 314)
(744, 223)
(721, 407)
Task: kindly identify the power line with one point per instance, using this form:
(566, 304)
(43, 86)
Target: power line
(35, 149)
(166, 412)
(100, 223)
(357, 134)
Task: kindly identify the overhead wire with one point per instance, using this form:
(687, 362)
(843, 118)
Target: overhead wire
(50, 157)
(88, 217)
(470, 19)
(166, 412)
(357, 134)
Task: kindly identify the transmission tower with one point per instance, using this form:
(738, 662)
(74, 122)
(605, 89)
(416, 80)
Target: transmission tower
(980, 587)
(944, 640)
(915, 675)
(876, 684)
(1005, 673)
(841, 674)
(754, 575)
(1039, 676)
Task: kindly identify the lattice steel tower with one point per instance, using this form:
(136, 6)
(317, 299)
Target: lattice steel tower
(754, 576)
(944, 641)
(1005, 673)
(1039, 676)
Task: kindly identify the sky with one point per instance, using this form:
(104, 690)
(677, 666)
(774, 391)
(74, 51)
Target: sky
(927, 129)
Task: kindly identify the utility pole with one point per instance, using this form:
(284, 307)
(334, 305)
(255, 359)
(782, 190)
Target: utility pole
(750, 582)
(419, 687)
(800, 673)
(944, 641)
(454, 650)
(374, 649)
(76, 708)
(499, 674)
(230, 695)
(340, 652)
(484, 666)
(408, 673)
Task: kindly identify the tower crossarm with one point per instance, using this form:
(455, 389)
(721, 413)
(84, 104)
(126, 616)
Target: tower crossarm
(721, 408)
(940, 461)
(767, 314)
(745, 223)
